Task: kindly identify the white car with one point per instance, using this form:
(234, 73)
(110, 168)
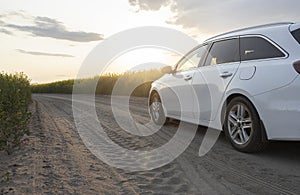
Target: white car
(244, 82)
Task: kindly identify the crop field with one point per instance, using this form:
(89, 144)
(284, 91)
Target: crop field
(105, 84)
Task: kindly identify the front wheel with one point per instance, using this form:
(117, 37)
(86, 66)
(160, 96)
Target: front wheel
(156, 110)
(242, 126)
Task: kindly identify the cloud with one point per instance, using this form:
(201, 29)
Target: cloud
(3, 30)
(152, 5)
(48, 27)
(43, 53)
(217, 16)
(61, 75)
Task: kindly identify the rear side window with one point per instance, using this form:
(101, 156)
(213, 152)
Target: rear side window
(223, 52)
(254, 48)
(296, 35)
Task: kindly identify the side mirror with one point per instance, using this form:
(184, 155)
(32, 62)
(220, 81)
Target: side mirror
(167, 70)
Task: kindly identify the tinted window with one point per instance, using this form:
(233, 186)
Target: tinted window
(253, 48)
(296, 35)
(223, 52)
(193, 59)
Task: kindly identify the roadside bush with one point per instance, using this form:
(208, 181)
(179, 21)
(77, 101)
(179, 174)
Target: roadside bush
(15, 96)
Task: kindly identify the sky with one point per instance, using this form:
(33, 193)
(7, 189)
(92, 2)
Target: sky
(49, 40)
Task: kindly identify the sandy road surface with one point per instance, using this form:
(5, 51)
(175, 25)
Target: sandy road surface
(54, 160)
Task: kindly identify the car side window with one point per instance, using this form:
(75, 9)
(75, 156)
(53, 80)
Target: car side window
(296, 35)
(225, 51)
(254, 48)
(193, 59)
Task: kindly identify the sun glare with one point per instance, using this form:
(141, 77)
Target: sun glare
(142, 59)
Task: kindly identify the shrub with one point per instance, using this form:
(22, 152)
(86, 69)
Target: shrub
(15, 96)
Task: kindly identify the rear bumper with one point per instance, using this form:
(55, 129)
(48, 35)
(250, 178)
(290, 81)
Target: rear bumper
(280, 111)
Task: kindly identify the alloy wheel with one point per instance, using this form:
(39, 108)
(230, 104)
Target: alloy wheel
(155, 109)
(240, 124)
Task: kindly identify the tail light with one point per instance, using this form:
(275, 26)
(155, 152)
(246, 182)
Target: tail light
(297, 66)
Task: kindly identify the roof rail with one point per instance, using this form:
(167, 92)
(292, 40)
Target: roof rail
(249, 28)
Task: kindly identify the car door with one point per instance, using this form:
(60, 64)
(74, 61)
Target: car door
(213, 76)
(178, 97)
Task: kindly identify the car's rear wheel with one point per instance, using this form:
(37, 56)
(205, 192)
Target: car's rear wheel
(156, 110)
(243, 127)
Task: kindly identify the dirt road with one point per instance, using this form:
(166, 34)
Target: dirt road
(54, 160)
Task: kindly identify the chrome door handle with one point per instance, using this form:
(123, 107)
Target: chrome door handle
(225, 74)
(187, 77)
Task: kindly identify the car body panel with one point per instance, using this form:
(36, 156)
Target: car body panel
(281, 115)
(209, 86)
(271, 85)
(175, 87)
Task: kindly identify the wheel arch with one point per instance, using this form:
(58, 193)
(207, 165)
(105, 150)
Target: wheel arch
(229, 98)
(153, 91)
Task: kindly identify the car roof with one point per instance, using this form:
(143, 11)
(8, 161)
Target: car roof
(261, 29)
(294, 26)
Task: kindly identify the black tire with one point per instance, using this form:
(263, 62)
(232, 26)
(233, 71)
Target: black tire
(161, 118)
(244, 136)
